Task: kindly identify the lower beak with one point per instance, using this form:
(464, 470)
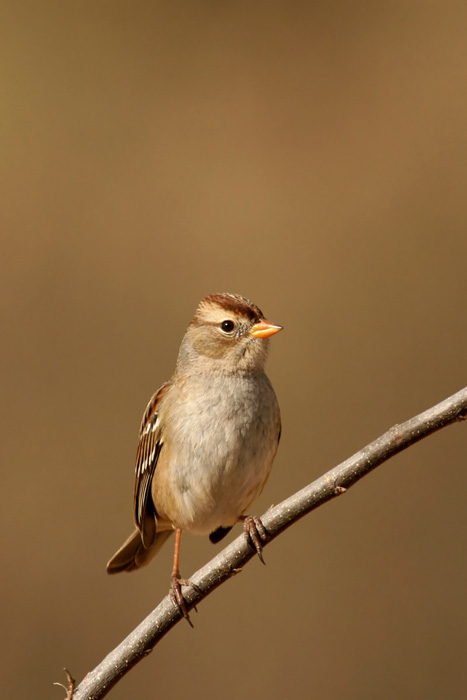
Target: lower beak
(264, 329)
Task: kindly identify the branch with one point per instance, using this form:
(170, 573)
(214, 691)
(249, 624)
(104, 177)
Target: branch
(227, 563)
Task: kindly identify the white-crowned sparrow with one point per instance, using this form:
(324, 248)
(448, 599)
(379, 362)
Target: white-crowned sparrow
(208, 437)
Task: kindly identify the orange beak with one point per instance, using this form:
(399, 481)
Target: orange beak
(264, 329)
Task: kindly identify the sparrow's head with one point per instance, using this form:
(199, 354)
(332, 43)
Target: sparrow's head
(228, 332)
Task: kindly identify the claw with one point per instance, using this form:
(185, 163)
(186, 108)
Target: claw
(177, 595)
(255, 532)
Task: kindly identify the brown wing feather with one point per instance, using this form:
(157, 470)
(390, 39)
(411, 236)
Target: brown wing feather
(149, 448)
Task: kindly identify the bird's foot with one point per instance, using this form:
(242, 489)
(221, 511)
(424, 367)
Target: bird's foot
(177, 595)
(255, 534)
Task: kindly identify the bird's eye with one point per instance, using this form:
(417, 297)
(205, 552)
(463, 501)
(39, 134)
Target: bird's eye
(227, 326)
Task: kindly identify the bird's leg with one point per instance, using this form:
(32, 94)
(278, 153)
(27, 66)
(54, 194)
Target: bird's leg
(177, 582)
(254, 532)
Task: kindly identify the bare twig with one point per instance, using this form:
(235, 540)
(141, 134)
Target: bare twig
(143, 639)
(69, 690)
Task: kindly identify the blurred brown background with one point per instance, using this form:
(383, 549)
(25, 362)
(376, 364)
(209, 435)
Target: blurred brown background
(312, 156)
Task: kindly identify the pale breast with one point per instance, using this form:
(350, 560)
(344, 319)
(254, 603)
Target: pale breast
(221, 446)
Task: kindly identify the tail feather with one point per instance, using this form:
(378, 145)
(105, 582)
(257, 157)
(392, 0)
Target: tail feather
(133, 555)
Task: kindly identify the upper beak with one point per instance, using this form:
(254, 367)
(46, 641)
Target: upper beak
(264, 329)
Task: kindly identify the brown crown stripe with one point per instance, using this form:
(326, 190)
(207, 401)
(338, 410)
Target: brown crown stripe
(235, 303)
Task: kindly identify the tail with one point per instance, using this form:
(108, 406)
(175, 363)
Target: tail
(133, 555)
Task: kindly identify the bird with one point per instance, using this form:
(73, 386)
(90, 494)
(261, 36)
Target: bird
(207, 440)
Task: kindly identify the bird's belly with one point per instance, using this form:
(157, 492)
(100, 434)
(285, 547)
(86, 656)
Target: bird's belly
(217, 471)
(208, 497)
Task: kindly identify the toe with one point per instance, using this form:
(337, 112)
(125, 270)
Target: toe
(255, 532)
